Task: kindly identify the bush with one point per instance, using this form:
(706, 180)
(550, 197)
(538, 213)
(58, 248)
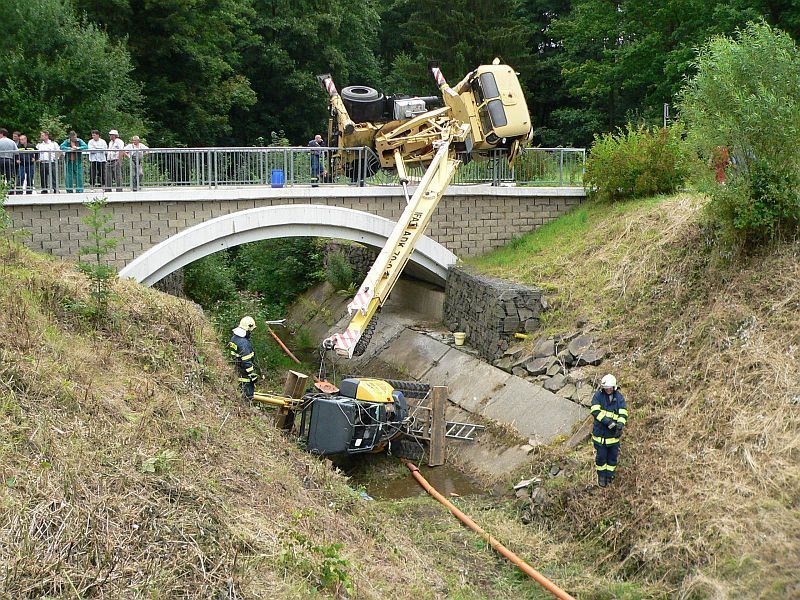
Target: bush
(746, 97)
(339, 272)
(636, 162)
(278, 269)
(209, 280)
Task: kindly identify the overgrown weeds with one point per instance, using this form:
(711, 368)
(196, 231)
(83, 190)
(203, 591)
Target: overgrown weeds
(706, 346)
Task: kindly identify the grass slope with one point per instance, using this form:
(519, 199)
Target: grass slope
(706, 347)
(129, 468)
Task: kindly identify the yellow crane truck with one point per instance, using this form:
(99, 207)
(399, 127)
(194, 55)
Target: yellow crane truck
(484, 112)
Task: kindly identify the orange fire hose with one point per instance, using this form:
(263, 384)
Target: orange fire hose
(285, 349)
(523, 566)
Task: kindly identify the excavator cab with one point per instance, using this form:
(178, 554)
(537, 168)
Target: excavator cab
(363, 417)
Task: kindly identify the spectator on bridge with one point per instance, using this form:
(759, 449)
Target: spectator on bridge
(15, 137)
(26, 159)
(135, 150)
(48, 163)
(8, 153)
(97, 160)
(114, 161)
(317, 160)
(73, 147)
(610, 417)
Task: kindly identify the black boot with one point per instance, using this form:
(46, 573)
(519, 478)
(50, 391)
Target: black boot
(602, 481)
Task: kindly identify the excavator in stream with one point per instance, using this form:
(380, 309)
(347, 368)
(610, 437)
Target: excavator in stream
(483, 113)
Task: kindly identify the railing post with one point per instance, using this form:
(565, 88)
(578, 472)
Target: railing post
(561, 168)
(290, 179)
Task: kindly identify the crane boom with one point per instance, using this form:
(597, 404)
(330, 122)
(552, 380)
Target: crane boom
(485, 111)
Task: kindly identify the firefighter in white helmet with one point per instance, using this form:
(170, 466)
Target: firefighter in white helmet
(610, 417)
(241, 349)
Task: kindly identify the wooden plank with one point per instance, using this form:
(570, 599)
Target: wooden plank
(438, 424)
(293, 387)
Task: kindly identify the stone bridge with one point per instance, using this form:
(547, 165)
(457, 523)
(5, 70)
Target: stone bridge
(161, 230)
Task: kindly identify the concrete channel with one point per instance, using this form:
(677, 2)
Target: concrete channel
(411, 343)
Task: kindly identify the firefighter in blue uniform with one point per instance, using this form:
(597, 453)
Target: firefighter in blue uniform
(241, 349)
(610, 416)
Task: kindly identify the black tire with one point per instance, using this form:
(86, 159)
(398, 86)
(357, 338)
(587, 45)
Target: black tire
(363, 103)
(406, 448)
(355, 171)
(410, 389)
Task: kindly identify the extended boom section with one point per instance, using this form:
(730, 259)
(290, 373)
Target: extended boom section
(484, 112)
(386, 269)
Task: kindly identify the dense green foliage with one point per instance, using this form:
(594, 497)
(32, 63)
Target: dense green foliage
(636, 162)
(259, 279)
(746, 97)
(211, 72)
(61, 71)
(339, 272)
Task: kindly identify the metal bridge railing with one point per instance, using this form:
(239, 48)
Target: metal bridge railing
(59, 171)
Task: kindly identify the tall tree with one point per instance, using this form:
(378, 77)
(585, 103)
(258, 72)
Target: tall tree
(296, 40)
(547, 94)
(188, 55)
(60, 70)
(461, 34)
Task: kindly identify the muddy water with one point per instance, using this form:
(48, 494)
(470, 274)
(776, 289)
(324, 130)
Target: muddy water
(447, 481)
(386, 478)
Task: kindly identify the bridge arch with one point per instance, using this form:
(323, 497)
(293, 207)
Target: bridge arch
(287, 220)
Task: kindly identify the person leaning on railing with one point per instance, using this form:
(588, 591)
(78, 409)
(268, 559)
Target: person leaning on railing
(135, 150)
(97, 160)
(26, 165)
(114, 161)
(73, 178)
(48, 163)
(8, 150)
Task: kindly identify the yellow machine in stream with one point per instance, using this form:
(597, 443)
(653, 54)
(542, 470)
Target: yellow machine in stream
(363, 415)
(485, 112)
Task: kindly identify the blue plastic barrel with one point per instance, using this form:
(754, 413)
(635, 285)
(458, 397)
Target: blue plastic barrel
(278, 178)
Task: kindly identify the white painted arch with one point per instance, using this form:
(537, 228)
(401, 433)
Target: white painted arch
(287, 220)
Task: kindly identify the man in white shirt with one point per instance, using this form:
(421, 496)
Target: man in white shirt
(136, 152)
(97, 160)
(48, 163)
(114, 163)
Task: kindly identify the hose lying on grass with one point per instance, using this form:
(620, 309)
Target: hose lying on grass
(523, 566)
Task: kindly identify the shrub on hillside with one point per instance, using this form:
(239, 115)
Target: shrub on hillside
(339, 272)
(209, 280)
(746, 97)
(279, 269)
(636, 162)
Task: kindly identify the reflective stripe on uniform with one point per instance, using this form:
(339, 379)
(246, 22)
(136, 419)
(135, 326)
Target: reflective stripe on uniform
(249, 369)
(249, 356)
(244, 379)
(605, 441)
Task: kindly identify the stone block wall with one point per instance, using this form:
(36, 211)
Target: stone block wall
(490, 311)
(468, 221)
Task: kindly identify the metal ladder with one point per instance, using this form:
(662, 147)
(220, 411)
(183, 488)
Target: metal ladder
(453, 430)
(462, 431)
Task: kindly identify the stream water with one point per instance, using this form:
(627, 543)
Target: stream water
(387, 478)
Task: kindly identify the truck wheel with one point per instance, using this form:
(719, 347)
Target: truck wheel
(406, 448)
(363, 103)
(410, 389)
(355, 170)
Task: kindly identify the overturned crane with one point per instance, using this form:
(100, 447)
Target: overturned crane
(485, 111)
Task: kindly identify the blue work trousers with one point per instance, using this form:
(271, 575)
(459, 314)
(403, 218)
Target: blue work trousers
(606, 459)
